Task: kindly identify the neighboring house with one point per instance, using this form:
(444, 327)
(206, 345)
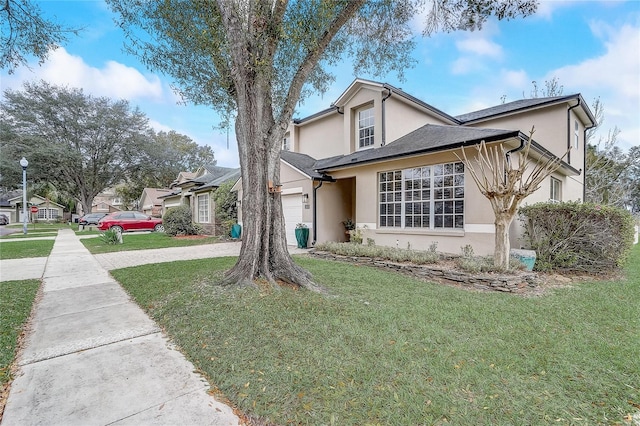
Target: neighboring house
(150, 202)
(196, 191)
(11, 205)
(387, 160)
(107, 201)
(8, 207)
(104, 207)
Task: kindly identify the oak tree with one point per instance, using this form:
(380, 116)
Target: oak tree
(79, 143)
(259, 58)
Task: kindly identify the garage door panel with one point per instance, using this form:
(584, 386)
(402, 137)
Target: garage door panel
(292, 210)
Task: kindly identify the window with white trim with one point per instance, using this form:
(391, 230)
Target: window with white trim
(44, 213)
(429, 197)
(365, 127)
(203, 208)
(555, 192)
(286, 142)
(576, 134)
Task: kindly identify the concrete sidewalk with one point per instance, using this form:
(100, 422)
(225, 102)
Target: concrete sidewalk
(92, 356)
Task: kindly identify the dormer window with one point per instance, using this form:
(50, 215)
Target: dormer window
(365, 127)
(286, 142)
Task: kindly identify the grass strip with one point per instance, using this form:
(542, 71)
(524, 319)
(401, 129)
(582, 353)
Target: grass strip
(24, 249)
(388, 349)
(16, 298)
(135, 241)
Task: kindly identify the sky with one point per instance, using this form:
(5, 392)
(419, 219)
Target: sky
(591, 47)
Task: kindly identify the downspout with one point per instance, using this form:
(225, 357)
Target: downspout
(384, 128)
(338, 110)
(507, 157)
(569, 130)
(315, 206)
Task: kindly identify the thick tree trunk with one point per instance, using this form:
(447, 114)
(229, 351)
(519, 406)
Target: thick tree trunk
(502, 243)
(264, 253)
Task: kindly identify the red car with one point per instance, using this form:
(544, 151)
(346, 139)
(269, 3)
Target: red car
(130, 221)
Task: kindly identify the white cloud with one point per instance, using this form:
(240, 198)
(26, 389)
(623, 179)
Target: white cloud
(614, 77)
(476, 49)
(114, 80)
(480, 47)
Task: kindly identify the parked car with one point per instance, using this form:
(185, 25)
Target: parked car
(130, 221)
(91, 218)
(4, 219)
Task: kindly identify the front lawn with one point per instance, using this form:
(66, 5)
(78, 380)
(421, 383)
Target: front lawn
(383, 348)
(144, 241)
(22, 249)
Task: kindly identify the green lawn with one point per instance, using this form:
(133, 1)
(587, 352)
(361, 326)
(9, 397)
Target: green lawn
(22, 249)
(137, 241)
(386, 349)
(16, 298)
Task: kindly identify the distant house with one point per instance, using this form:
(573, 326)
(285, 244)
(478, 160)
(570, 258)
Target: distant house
(150, 202)
(387, 160)
(196, 191)
(48, 211)
(107, 201)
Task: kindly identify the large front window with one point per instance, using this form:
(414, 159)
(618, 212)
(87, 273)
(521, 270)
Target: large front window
(365, 128)
(423, 197)
(203, 208)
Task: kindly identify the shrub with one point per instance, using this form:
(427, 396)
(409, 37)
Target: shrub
(576, 236)
(380, 252)
(111, 237)
(179, 221)
(226, 206)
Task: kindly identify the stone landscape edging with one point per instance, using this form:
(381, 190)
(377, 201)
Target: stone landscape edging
(506, 283)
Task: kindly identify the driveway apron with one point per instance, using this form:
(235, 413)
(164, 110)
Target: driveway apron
(93, 357)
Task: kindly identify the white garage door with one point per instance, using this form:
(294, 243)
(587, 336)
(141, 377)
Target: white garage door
(292, 209)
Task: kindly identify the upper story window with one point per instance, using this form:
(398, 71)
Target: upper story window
(286, 142)
(576, 134)
(365, 127)
(555, 193)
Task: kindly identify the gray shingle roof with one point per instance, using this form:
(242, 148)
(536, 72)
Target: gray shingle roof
(429, 138)
(512, 107)
(232, 174)
(302, 162)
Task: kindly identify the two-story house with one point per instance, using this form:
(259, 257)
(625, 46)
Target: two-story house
(387, 160)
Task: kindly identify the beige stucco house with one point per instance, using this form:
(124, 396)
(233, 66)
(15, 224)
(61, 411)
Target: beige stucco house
(150, 202)
(387, 160)
(196, 191)
(48, 211)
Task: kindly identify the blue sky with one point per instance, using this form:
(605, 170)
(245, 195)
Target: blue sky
(590, 46)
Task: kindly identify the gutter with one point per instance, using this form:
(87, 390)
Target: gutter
(507, 156)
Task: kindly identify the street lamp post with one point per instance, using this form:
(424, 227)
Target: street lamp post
(24, 163)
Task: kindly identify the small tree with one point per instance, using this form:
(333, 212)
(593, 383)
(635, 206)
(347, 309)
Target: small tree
(506, 185)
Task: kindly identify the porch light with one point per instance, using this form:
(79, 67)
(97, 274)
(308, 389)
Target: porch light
(305, 198)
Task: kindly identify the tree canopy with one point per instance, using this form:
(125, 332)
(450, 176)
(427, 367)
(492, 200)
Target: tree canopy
(25, 31)
(163, 156)
(259, 58)
(83, 144)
